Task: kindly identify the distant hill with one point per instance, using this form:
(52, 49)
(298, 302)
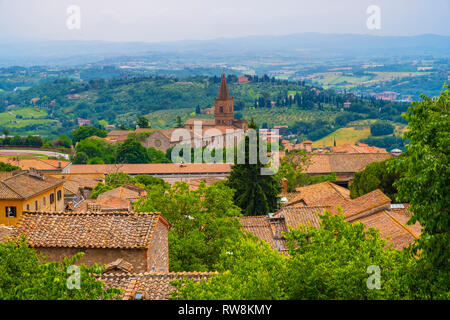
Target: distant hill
(298, 46)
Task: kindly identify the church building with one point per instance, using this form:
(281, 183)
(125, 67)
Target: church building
(223, 112)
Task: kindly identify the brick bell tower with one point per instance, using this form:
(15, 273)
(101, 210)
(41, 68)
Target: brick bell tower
(224, 105)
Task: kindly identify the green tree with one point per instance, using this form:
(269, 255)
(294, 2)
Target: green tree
(99, 189)
(143, 122)
(291, 168)
(86, 132)
(381, 128)
(157, 156)
(80, 158)
(118, 179)
(203, 227)
(426, 186)
(330, 262)
(256, 194)
(63, 141)
(97, 148)
(24, 276)
(131, 151)
(377, 175)
(149, 181)
(6, 167)
(179, 123)
(249, 270)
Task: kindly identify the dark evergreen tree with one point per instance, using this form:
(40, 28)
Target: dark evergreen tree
(256, 194)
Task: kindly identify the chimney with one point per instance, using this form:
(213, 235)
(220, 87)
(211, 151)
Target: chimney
(59, 165)
(284, 185)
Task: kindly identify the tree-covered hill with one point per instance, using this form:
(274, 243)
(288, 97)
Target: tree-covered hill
(310, 112)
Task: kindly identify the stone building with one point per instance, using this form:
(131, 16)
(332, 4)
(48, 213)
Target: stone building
(223, 112)
(139, 239)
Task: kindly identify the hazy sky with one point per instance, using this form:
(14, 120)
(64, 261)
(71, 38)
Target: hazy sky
(162, 20)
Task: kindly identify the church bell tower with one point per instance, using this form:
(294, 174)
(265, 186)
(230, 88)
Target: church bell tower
(224, 105)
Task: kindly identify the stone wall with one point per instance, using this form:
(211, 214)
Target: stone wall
(158, 253)
(101, 256)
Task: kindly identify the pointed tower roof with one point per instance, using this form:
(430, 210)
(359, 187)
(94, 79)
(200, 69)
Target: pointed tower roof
(224, 94)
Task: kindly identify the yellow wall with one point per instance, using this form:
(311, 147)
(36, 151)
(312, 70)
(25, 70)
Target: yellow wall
(21, 205)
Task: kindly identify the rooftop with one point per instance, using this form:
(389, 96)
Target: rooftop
(342, 162)
(25, 185)
(88, 230)
(152, 168)
(319, 194)
(151, 286)
(267, 229)
(37, 163)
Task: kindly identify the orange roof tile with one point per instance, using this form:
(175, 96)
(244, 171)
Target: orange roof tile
(88, 230)
(152, 168)
(366, 203)
(296, 216)
(24, 186)
(320, 194)
(342, 162)
(396, 233)
(36, 163)
(152, 286)
(267, 229)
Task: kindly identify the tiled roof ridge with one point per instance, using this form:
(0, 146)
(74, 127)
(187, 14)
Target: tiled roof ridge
(92, 213)
(401, 224)
(172, 273)
(331, 184)
(305, 207)
(14, 191)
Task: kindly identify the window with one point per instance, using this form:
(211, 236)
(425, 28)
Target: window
(44, 200)
(36, 205)
(11, 212)
(28, 207)
(221, 109)
(59, 195)
(52, 198)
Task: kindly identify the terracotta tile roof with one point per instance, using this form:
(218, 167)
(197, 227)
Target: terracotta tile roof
(73, 183)
(6, 232)
(166, 132)
(129, 192)
(320, 194)
(106, 204)
(375, 200)
(403, 216)
(342, 162)
(152, 286)
(88, 230)
(119, 133)
(205, 122)
(389, 228)
(296, 216)
(37, 163)
(358, 148)
(267, 229)
(153, 168)
(24, 186)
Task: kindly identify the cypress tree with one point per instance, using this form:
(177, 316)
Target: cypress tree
(256, 194)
